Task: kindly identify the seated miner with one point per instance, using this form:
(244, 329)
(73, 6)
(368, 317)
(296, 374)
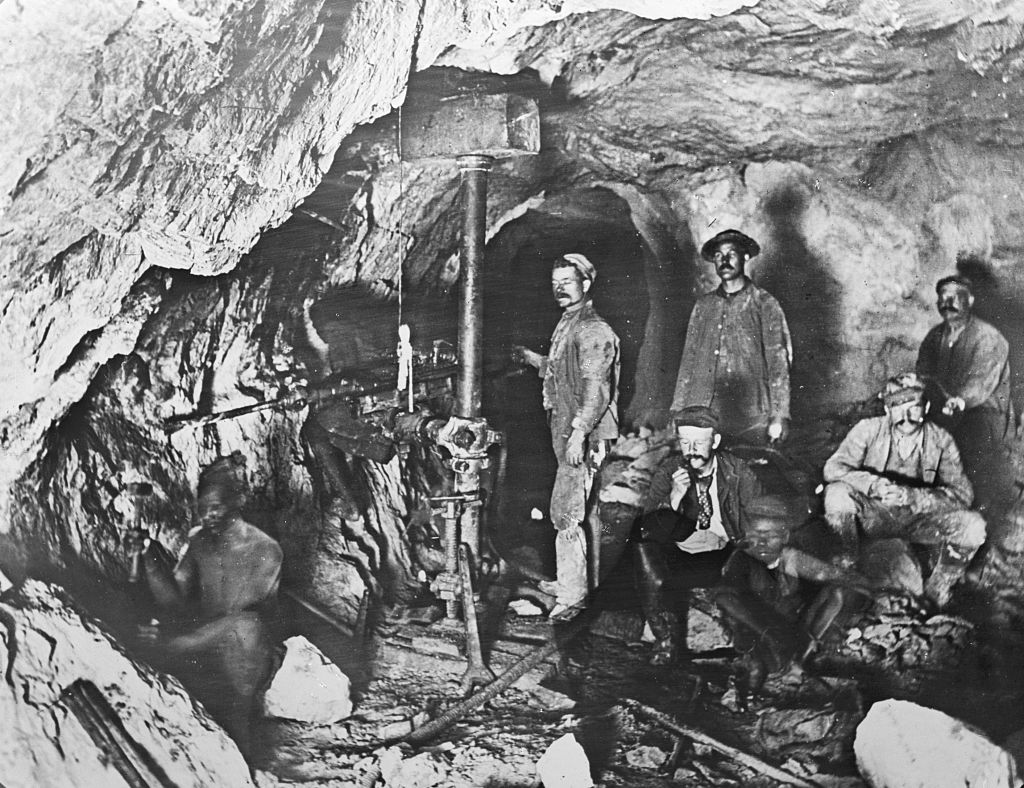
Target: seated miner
(778, 599)
(580, 391)
(738, 351)
(900, 476)
(333, 432)
(222, 601)
(693, 514)
(964, 362)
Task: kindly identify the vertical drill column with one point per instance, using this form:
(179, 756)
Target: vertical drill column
(474, 169)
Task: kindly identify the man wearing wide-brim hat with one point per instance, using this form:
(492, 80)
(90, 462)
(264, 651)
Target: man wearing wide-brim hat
(738, 350)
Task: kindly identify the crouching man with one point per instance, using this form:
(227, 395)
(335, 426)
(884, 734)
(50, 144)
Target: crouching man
(766, 597)
(900, 476)
(222, 599)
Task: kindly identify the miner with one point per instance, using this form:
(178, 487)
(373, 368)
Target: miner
(965, 364)
(900, 476)
(693, 515)
(222, 599)
(764, 593)
(738, 351)
(580, 390)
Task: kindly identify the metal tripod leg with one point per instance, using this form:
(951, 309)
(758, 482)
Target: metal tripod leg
(476, 671)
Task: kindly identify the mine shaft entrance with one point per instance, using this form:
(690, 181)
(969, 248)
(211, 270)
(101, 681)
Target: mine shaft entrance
(519, 310)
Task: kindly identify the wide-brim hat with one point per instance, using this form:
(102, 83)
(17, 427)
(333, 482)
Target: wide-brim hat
(744, 242)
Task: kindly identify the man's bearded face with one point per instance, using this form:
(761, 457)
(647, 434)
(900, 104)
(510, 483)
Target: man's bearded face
(907, 417)
(568, 286)
(697, 445)
(954, 302)
(730, 261)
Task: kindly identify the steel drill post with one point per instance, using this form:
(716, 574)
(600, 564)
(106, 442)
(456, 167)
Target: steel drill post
(474, 169)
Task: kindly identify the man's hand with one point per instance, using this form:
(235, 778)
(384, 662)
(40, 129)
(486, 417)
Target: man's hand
(888, 492)
(148, 634)
(136, 540)
(681, 482)
(523, 355)
(778, 430)
(953, 406)
(574, 448)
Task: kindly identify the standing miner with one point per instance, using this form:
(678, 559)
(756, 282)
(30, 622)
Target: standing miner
(738, 350)
(581, 374)
(965, 364)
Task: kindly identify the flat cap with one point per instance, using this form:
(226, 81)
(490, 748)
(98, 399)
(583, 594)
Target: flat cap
(955, 279)
(773, 507)
(696, 416)
(744, 242)
(580, 263)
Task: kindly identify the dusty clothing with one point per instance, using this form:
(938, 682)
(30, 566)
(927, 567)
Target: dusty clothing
(581, 375)
(581, 378)
(766, 586)
(865, 452)
(934, 511)
(976, 368)
(736, 359)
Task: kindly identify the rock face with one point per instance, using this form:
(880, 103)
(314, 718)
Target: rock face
(902, 744)
(308, 687)
(46, 646)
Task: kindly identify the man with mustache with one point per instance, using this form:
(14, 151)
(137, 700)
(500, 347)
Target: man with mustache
(738, 350)
(581, 374)
(693, 515)
(965, 362)
(900, 476)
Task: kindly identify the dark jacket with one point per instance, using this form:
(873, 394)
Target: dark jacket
(862, 456)
(736, 485)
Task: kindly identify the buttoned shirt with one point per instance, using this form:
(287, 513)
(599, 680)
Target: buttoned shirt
(736, 358)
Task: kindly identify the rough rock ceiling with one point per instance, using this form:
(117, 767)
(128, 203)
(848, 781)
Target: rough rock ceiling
(174, 134)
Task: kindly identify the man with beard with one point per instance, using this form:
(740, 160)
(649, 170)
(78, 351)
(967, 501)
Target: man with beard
(693, 515)
(581, 374)
(222, 597)
(900, 476)
(965, 363)
(738, 350)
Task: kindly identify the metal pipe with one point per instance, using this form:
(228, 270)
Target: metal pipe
(474, 169)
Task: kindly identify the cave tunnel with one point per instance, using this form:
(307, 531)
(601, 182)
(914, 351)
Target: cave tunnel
(213, 223)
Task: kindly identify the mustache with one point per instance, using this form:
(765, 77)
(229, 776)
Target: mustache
(948, 308)
(691, 457)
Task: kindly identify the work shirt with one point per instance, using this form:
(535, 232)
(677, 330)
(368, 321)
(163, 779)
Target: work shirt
(736, 358)
(973, 365)
(581, 375)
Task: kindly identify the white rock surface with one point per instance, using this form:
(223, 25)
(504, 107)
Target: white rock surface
(565, 765)
(902, 745)
(45, 647)
(308, 687)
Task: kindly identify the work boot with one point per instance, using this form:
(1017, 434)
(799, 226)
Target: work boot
(947, 573)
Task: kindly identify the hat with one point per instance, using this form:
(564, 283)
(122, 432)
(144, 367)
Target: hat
(773, 507)
(955, 279)
(744, 242)
(696, 416)
(905, 387)
(580, 263)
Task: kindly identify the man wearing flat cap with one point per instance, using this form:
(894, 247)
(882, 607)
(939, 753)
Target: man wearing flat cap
(581, 375)
(899, 476)
(738, 350)
(965, 364)
(693, 515)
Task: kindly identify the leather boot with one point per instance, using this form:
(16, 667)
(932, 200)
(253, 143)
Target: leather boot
(948, 572)
(664, 623)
